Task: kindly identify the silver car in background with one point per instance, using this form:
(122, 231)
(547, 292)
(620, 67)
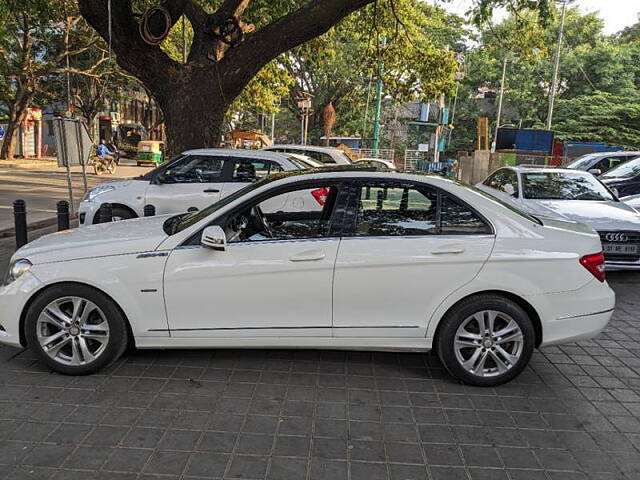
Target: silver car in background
(601, 162)
(573, 195)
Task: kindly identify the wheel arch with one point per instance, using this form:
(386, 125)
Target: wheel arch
(96, 216)
(518, 300)
(36, 294)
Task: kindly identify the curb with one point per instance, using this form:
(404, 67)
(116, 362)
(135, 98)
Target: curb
(47, 222)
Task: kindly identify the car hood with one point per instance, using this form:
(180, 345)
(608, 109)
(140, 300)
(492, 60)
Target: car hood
(598, 215)
(101, 240)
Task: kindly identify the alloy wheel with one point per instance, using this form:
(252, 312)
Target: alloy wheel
(488, 343)
(72, 331)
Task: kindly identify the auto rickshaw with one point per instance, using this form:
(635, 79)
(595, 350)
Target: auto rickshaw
(150, 152)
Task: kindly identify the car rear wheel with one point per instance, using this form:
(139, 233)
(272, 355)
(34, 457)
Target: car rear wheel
(75, 329)
(486, 340)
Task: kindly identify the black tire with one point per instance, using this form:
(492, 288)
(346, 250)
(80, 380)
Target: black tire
(121, 213)
(115, 345)
(460, 313)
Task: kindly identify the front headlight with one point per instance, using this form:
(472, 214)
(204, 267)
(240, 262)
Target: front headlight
(17, 269)
(99, 190)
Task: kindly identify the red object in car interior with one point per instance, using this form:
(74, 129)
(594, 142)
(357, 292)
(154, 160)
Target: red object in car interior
(321, 194)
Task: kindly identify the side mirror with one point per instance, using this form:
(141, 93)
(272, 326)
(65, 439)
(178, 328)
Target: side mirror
(595, 171)
(159, 179)
(508, 189)
(214, 237)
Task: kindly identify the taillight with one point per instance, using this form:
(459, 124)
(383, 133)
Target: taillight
(320, 194)
(595, 264)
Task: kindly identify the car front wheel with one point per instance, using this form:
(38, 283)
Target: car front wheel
(75, 329)
(486, 340)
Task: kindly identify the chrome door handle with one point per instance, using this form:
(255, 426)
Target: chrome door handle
(448, 251)
(309, 256)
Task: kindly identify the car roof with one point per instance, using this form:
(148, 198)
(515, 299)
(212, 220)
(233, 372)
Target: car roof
(243, 153)
(312, 148)
(609, 154)
(542, 169)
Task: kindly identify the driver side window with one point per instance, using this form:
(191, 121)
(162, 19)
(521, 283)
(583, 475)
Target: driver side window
(195, 169)
(299, 213)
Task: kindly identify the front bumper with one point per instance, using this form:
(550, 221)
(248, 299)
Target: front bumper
(87, 211)
(621, 265)
(13, 298)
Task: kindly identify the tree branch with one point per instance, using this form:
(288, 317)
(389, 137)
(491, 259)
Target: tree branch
(133, 54)
(299, 26)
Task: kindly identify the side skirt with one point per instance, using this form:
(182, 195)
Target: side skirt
(338, 343)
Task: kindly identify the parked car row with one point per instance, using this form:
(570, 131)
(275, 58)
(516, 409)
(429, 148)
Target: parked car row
(371, 258)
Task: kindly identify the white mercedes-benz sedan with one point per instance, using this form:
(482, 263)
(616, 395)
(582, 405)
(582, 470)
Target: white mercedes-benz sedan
(191, 181)
(387, 261)
(573, 195)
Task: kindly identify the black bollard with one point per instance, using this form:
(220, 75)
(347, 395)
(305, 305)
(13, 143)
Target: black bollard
(63, 215)
(20, 220)
(106, 213)
(149, 210)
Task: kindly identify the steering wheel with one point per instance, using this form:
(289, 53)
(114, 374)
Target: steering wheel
(263, 221)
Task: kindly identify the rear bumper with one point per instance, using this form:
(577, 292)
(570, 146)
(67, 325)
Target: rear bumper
(576, 315)
(573, 329)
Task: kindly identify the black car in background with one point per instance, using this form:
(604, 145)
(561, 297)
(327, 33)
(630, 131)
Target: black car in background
(624, 179)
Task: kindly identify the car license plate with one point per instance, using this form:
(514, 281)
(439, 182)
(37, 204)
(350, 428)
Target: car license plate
(620, 248)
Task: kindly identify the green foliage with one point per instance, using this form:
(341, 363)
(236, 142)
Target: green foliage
(600, 117)
(598, 79)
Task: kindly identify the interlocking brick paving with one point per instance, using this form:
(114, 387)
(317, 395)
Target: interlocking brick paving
(312, 415)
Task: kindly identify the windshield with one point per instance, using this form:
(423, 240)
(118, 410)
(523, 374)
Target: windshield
(563, 186)
(297, 162)
(582, 163)
(152, 173)
(178, 223)
(626, 170)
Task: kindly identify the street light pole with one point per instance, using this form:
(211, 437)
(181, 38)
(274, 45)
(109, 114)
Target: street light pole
(376, 121)
(552, 92)
(504, 73)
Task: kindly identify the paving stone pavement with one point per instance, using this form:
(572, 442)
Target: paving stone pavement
(327, 415)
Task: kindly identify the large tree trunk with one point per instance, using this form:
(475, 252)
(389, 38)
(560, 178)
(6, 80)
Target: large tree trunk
(194, 118)
(195, 96)
(17, 114)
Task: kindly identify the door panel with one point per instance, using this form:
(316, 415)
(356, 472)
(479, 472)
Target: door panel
(180, 197)
(195, 181)
(384, 284)
(411, 247)
(269, 285)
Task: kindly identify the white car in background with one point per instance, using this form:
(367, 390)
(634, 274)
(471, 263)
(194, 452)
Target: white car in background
(324, 155)
(378, 163)
(601, 162)
(304, 161)
(191, 181)
(387, 261)
(573, 195)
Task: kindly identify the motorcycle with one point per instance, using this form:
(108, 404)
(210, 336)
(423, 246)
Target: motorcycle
(106, 164)
(103, 165)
